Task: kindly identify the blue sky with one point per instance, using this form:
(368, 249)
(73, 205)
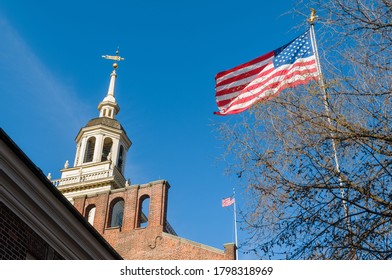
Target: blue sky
(53, 78)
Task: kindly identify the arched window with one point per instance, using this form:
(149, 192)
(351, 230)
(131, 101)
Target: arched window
(144, 208)
(89, 154)
(116, 213)
(107, 148)
(90, 213)
(120, 158)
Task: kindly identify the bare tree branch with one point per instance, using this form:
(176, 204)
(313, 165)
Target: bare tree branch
(282, 153)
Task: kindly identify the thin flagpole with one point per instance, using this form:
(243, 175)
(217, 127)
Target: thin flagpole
(235, 225)
(311, 20)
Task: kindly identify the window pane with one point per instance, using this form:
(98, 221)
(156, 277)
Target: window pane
(144, 211)
(107, 148)
(117, 214)
(89, 155)
(120, 158)
(91, 215)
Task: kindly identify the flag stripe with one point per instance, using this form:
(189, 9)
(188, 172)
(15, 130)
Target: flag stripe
(261, 78)
(241, 105)
(246, 102)
(274, 79)
(228, 201)
(255, 63)
(270, 73)
(239, 80)
(271, 80)
(241, 84)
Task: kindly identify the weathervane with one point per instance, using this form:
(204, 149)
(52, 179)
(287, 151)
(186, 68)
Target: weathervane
(114, 57)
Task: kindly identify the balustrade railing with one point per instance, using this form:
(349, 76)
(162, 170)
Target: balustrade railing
(90, 177)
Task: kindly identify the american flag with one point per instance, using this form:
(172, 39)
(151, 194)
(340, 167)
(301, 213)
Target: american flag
(228, 201)
(239, 88)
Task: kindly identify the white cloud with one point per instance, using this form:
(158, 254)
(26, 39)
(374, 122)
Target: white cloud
(28, 87)
(40, 111)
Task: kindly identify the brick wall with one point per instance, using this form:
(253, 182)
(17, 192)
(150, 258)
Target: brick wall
(18, 241)
(152, 242)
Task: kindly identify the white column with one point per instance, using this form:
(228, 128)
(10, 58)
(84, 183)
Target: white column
(115, 150)
(82, 151)
(98, 148)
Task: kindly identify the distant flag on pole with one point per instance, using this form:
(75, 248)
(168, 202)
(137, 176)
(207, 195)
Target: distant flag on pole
(264, 77)
(228, 201)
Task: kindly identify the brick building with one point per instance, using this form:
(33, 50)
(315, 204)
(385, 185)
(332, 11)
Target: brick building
(132, 218)
(36, 220)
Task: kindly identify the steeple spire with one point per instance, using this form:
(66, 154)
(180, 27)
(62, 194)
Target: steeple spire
(109, 107)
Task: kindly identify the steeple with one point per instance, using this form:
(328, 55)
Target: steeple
(101, 149)
(109, 107)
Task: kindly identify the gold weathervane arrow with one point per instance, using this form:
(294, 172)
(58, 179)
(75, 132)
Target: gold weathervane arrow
(113, 57)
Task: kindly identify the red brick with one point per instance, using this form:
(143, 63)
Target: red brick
(151, 242)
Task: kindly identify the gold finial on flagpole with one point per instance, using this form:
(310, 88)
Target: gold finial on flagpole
(313, 16)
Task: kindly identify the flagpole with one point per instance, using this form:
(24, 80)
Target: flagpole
(311, 21)
(235, 226)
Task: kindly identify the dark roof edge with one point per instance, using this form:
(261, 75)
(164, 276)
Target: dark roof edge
(41, 176)
(106, 121)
